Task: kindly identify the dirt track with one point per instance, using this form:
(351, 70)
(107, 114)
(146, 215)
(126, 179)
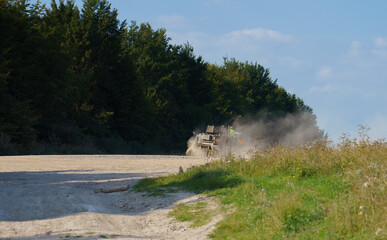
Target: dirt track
(52, 197)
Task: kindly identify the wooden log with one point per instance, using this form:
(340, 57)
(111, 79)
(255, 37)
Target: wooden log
(112, 189)
(115, 189)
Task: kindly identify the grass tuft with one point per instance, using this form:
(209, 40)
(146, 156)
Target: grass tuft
(318, 191)
(198, 213)
(200, 179)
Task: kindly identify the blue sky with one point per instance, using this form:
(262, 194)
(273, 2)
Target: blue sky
(332, 54)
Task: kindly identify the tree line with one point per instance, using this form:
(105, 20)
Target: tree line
(79, 80)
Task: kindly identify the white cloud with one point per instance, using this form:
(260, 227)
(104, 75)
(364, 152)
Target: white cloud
(380, 42)
(325, 89)
(324, 72)
(261, 34)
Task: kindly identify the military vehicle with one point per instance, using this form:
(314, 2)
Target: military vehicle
(204, 143)
(213, 141)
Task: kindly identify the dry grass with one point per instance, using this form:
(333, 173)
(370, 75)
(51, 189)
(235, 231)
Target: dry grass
(358, 210)
(317, 191)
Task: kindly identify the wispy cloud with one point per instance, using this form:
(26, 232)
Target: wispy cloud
(380, 42)
(173, 22)
(261, 34)
(355, 48)
(380, 53)
(365, 56)
(324, 89)
(292, 62)
(381, 47)
(255, 44)
(199, 40)
(324, 72)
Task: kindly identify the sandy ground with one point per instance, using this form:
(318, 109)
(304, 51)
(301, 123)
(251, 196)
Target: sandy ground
(52, 197)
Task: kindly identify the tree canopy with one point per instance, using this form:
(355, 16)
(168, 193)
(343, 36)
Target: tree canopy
(78, 80)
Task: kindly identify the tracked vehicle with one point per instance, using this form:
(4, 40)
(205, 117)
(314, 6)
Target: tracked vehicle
(212, 141)
(208, 141)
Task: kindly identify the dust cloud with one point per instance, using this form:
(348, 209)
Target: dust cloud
(269, 131)
(193, 149)
(290, 130)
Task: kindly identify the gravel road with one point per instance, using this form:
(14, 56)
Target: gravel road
(52, 197)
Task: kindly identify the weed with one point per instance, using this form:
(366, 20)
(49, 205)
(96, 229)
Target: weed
(70, 236)
(318, 191)
(198, 213)
(200, 179)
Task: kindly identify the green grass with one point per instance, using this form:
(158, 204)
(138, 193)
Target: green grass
(198, 214)
(200, 179)
(315, 192)
(70, 236)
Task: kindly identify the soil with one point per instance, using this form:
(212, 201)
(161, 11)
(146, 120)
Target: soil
(54, 197)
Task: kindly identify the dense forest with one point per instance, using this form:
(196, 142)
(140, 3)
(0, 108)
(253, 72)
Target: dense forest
(79, 80)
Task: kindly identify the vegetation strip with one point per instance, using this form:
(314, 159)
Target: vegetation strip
(198, 213)
(310, 192)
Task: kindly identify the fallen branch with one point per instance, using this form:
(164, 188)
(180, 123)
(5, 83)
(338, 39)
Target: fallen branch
(110, 190)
